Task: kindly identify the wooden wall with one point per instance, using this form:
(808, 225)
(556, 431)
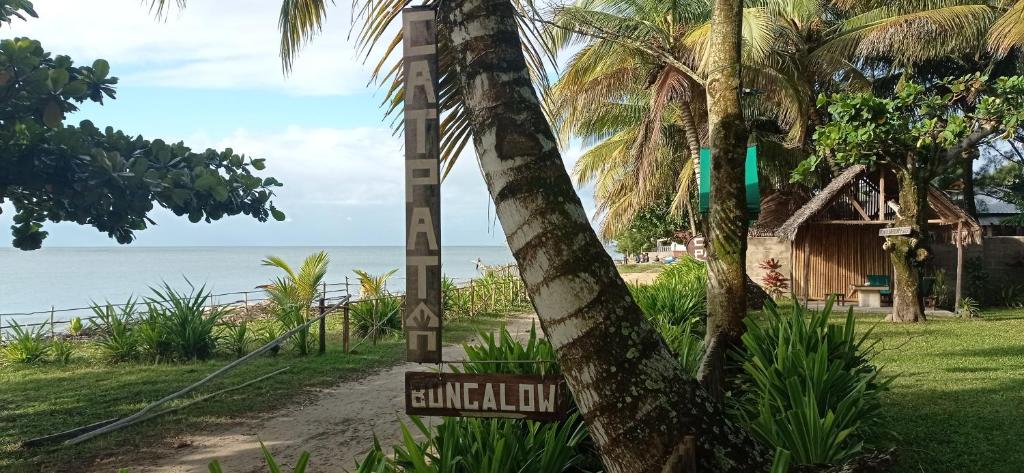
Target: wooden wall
(840, 255)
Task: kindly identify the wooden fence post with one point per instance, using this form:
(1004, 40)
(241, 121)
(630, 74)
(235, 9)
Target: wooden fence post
(344, 329)
(51, 323)
(472, 299)
(245, 296)
(323, 325)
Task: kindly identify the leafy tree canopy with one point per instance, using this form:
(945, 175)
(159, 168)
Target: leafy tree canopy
(646, 227)
(104, 178)
(924, 128)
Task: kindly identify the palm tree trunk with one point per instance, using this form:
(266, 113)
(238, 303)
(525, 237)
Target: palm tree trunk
(634, 398)
(693, 146)
(728, 221)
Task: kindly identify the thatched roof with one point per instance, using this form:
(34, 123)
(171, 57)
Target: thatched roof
(819, 202)
(939, 202)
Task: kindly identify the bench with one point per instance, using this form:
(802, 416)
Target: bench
(871, 296)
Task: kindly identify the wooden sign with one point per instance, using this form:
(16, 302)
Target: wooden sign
(486, 395)
(894, 231)
(697, 248)
(423, 316)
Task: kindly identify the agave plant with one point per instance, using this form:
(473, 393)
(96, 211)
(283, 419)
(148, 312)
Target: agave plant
(116, 335)
(62, 350)
(236, 338)
(292, 295)
(186, 320)
(27, 344)
(377, 318)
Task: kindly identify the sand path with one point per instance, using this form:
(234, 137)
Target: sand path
(336, 427)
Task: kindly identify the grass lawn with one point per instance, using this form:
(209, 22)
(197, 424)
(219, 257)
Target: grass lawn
(640, 267)
(958, 403)
(48, 398)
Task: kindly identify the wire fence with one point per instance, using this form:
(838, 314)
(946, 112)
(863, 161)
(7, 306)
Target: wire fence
(244, 305)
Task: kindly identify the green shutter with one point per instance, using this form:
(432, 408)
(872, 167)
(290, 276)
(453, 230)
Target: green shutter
(750, 171)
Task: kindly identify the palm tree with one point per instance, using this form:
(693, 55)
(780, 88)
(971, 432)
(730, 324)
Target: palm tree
(604, 345)
(294, 294)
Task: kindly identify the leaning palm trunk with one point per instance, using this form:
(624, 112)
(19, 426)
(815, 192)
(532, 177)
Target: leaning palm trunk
(634, 397)
(728, 221)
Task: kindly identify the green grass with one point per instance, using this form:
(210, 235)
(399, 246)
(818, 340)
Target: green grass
(958, 402)
(44, 399)
(641, 268)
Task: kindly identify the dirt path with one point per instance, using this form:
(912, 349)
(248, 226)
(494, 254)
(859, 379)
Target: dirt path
(337, 429)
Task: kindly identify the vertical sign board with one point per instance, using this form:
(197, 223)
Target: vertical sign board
(422, 319)
(517, 396)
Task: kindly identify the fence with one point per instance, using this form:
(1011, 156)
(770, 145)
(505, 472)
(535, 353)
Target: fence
(464, 297)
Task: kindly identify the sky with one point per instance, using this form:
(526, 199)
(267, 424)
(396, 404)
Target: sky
(210, 76)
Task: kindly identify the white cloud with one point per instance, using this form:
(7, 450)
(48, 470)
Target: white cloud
(211, 44)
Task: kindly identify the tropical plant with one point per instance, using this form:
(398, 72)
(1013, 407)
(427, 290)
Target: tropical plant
(62, 349)
(455, 301)
(534, 357)
(941, 289)
(1012, 295)
(151, 333)
(679, 293)
(187, 320)
(292, 296)
(810, 389)
(268, 333)
(774, 282)
(969, 308)
(371, 285)
(377, 318)
(75, 328)
(116, 337)
(976, 278)
(272, 465)
(26, 344)
(235, 338)
(686, 340)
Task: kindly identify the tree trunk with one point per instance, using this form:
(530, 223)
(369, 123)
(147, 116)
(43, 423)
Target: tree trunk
(693, 146)
(635, 399)
(908, 252)
(728, 222)
(967, 175)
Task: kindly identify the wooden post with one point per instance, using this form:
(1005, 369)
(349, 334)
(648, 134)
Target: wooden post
(51, 322)
(959, 265)
(881, 194)
(245, 301)
(344, 328)
(323, 325)
(807, 269)
(472, 298)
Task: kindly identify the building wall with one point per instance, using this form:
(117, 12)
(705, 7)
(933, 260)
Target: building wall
(762, 248)
(1002, 257)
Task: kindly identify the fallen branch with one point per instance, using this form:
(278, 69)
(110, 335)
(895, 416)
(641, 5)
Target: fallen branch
(146, 410)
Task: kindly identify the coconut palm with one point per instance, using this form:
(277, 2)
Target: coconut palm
(293, 294)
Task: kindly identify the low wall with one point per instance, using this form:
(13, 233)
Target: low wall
(762, 248)
(1002, 257)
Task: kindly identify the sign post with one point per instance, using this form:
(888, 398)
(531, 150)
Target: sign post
(516, 396)
(894, 231)
(422, 320)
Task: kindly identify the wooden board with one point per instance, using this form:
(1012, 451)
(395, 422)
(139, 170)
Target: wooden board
(486, 395)
(894, 231)
(696, 247)
(422, 318)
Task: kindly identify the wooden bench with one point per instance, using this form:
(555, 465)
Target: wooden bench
(840, 297)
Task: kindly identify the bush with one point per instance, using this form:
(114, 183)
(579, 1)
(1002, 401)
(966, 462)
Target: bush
(293, 295)
(75, 329)
(236, 338)
(810, 389)
(470, 445)
(456, 301)
(377, 318)
(969, 308)
(27, 345)
(116, 338)
(678, 295)
(62, 350)
(185, 320)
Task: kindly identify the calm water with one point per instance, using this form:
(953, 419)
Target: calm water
(72, 277)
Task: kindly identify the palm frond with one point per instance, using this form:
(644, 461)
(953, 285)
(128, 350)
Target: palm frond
(1008, 31)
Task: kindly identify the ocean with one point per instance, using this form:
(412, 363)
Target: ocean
(33, 281)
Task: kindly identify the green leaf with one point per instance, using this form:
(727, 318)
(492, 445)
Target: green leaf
(100, 69)
(58, 79)
(277, 214)
(259, 164)
(52, 114)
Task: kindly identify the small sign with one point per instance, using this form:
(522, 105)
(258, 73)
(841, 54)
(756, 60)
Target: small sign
(514, 396)
(894, 231)
(422, 320)
(697, 248)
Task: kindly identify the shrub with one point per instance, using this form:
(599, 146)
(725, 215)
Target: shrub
(236, 338)
(941, 290)
(1012, 296)
(976, 284)
(811, 390)
(685, 340)
(151, 334)
(116, 338)
(62, 350)
(774, 282)
(969, 308)
(27, 344)
(377, 318)
(75, 329)
(185, 320)
(455, 301)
